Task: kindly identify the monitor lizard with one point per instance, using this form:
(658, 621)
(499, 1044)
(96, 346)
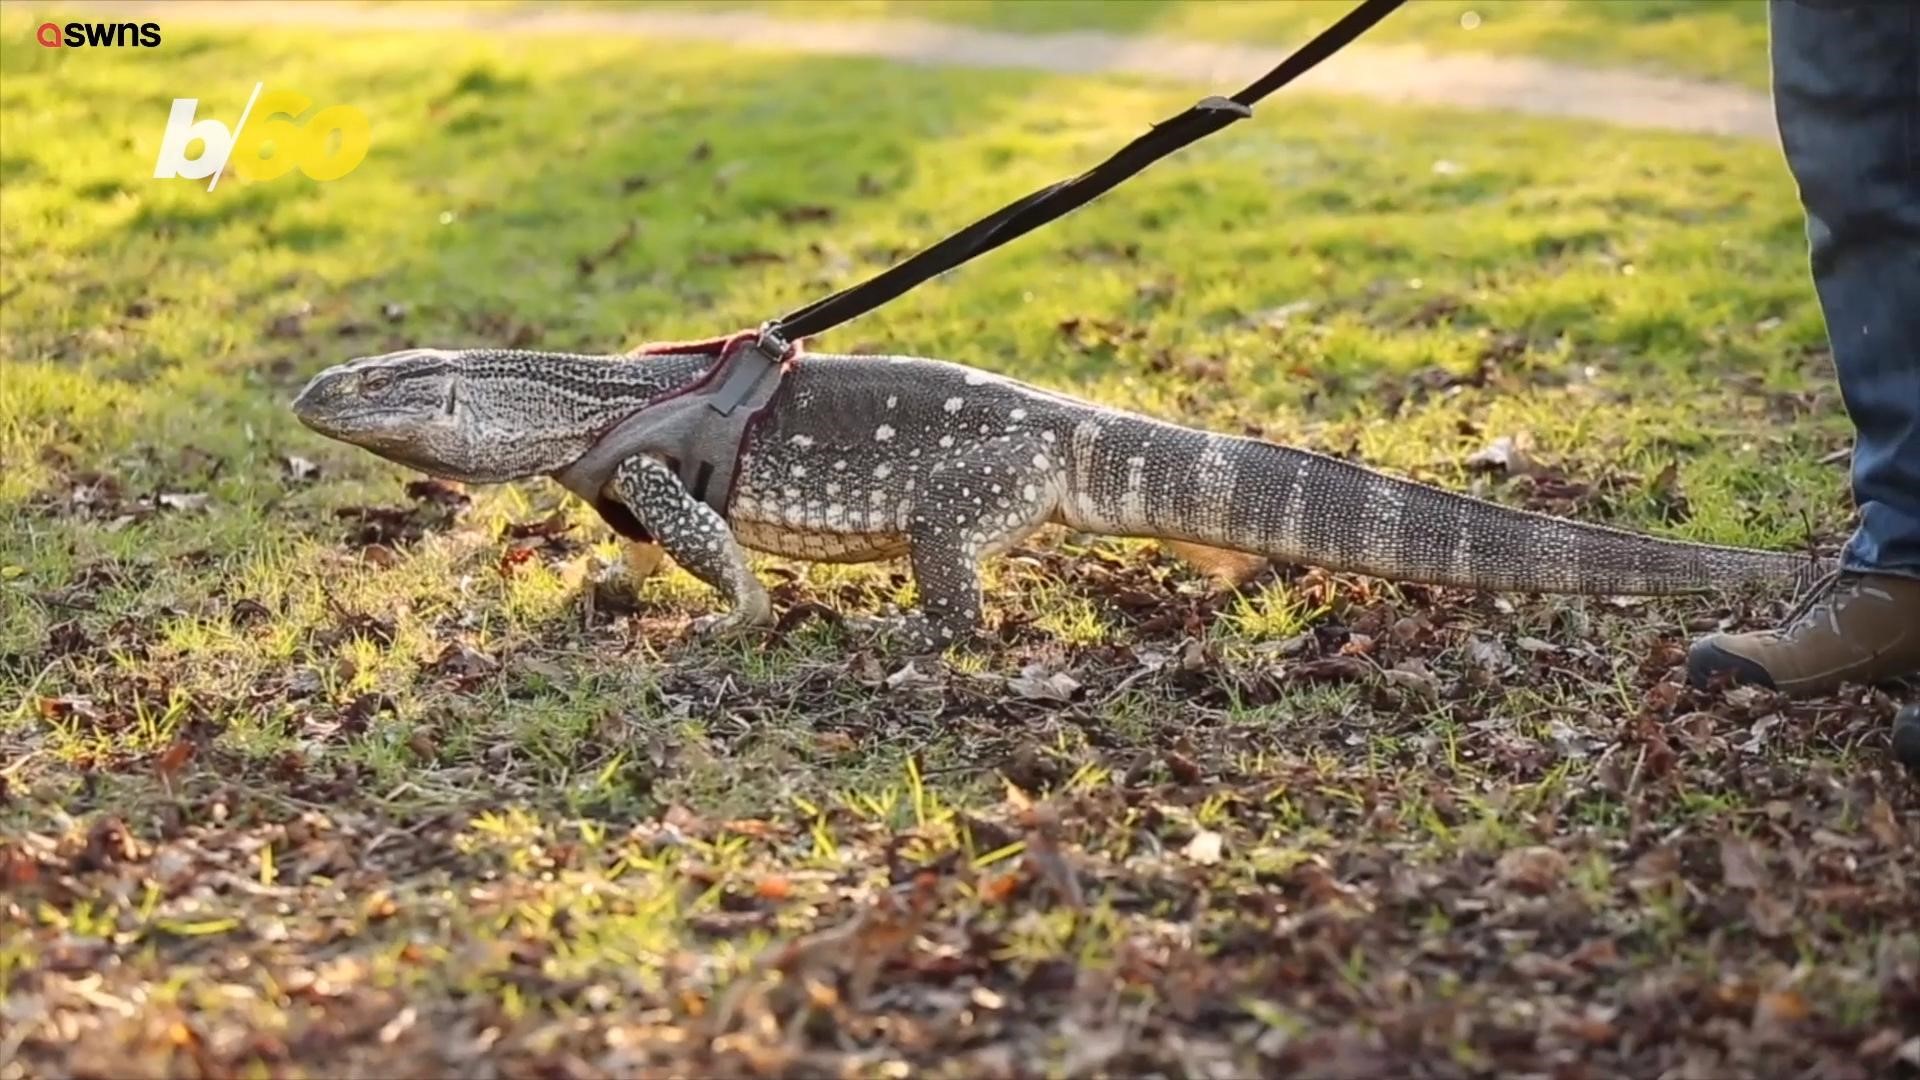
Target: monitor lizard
(859, 458)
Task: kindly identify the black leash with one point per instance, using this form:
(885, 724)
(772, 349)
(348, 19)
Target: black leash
(702, 427)
(1022, 217)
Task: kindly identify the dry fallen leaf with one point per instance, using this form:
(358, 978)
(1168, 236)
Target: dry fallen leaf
(173, 759)
(1488, 654)
(1884, 825)
(59, 708)
(1412, 674)
(1772, 915)
(1506, 454)
(1036, 683)
(833, 743)
(184, 501)
(459, 658)
(1595, 1027)
(1741, 866)
(299, 470)
(1599, 953)
(912, 678)
(1778, 1007)
(1205, 847)
(1536, 869)
(422, 746)
(546, 669)
(1046, 860)
(1000, 888)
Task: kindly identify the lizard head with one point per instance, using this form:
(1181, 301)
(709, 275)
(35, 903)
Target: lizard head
(450, 413)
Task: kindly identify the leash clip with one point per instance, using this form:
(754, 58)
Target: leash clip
(1209, 110)
(772, 342)
(1216, 103)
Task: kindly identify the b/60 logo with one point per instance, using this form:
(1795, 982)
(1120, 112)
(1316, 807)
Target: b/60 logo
(326, 146)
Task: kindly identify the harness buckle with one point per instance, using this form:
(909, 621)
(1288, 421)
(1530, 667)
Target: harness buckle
(747, 364)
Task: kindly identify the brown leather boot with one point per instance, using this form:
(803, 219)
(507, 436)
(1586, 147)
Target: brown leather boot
(1851, 628)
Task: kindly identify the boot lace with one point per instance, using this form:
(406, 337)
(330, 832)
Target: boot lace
(1824, 596)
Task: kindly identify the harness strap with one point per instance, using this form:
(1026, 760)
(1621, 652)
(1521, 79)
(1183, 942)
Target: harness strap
(697, 429)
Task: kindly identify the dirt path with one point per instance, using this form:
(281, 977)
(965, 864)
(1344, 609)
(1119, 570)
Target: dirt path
(1391, 73)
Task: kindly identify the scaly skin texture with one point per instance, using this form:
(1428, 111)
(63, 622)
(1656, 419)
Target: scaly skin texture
(872, 457)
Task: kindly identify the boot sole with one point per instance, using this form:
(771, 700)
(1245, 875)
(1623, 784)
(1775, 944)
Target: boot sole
(1705, 660)
(1906, 739)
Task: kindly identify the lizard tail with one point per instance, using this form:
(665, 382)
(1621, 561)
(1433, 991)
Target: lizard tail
(1138, 477)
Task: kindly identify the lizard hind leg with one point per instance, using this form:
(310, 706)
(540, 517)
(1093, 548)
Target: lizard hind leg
(1228, 568)
(964, 509)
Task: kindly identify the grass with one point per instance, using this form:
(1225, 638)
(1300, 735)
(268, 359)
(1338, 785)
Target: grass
(1713, 39)
(307, 770)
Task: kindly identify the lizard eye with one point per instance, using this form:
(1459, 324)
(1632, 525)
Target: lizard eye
(375, 383)
(453, 398)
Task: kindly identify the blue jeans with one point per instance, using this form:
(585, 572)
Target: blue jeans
(1846, 92)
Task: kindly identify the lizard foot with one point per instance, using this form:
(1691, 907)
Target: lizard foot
(914, 634)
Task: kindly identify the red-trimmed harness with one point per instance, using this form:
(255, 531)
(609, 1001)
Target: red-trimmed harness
(697, 429)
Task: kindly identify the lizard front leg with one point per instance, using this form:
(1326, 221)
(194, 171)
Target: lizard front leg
(966, 508)
(696, 537)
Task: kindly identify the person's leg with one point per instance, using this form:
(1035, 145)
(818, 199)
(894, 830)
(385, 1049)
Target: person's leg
(1846, 89)
(1847, 94)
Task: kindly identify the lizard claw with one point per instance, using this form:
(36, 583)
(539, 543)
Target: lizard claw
(871, 626)
(731, 624)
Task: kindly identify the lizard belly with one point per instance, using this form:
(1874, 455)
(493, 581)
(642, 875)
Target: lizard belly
(804, 497)
(817, 545)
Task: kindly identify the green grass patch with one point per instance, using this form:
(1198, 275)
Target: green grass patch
(306, 767)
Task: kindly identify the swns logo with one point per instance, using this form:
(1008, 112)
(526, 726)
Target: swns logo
(326, 146)
(77, 35)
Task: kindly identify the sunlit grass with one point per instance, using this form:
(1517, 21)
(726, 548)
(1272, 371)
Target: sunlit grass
(581, 814)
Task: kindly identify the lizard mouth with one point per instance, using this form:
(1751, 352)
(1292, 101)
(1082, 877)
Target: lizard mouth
(321, 406)
(305, 405)
(405, 452)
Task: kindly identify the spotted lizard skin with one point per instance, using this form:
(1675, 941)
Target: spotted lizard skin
(873, 457)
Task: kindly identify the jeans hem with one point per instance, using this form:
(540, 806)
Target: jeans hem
(1855, 566)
